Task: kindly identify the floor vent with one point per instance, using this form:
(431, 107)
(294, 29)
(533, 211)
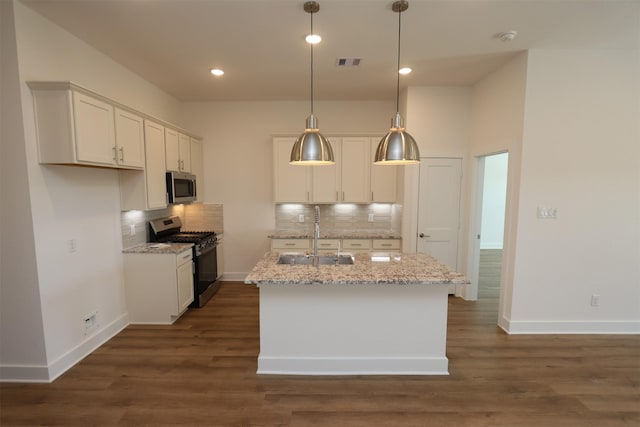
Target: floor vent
(348, 62)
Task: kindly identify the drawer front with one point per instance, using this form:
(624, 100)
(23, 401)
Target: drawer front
(386, 244)
(290, 244)
(356, 244)
(183, 257)
(324, 244)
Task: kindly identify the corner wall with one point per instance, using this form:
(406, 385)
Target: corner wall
(581, 155)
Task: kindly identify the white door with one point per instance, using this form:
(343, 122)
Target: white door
(439, 209)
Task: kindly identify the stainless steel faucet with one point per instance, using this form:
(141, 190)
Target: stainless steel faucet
(316, 233)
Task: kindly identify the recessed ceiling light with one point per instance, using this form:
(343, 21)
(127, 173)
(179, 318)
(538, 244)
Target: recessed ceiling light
(217, 72)
(313, 39)
(405, 70)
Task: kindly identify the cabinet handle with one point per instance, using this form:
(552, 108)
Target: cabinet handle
(307, 196)
(343, 196)
(337, 196)
(385, 244)
(289, 244)
(115, 154)
(186, 256)
(372, 199)
(122, 154)
(356, 244)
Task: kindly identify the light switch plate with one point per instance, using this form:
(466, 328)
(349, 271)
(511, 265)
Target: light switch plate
(301, 218)
(547, 213)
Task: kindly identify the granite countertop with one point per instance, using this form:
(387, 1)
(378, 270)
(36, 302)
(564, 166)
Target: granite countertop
(158, 248)
(347, 234)
(385, 268)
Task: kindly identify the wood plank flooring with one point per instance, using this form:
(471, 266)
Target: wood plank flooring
(201, 371)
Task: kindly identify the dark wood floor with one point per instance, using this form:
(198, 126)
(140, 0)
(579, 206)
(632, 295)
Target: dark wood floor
(201, 371)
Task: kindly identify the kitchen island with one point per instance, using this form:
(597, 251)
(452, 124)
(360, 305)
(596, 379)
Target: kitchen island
(384, 315)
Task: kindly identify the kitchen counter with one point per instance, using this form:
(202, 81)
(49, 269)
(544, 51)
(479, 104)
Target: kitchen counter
(158, 248)
(386, 317)
(368, 268)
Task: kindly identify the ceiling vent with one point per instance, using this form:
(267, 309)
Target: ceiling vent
(348, 62)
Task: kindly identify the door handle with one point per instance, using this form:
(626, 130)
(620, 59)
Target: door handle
(422, 235)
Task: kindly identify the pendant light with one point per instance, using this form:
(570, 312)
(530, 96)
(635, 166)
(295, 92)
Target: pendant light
(397, 147)
(312, 148)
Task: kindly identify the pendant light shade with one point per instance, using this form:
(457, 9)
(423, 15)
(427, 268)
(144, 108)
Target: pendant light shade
(312, 148)
(397, 147)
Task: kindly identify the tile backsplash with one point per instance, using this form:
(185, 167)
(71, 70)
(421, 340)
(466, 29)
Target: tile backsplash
(197, 216)
(340, 217)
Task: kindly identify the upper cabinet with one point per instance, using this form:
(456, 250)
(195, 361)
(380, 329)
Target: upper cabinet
(292, 184)
(353, 179)
(75, 126)
(383, 178)
(146, 190)
(178, 151)
(197, 166)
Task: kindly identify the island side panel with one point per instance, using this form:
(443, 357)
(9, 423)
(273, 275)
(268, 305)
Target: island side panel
(340, 329)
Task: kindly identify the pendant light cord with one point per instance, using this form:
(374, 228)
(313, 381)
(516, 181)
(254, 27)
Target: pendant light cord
(398, 70)
(311, 65)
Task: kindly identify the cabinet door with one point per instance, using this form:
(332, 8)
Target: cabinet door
(292, 184)
(197, 167)
(383, 178)
(185, 286)
(327, 178)
(355, 170)
(184, 144)
(155, 165)
(94, 129)
(172, 150)
(129, 139)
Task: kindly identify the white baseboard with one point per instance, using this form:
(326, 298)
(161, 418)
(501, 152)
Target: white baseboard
(570, 327)
(234, 277)
(47, 374)
(353, 365)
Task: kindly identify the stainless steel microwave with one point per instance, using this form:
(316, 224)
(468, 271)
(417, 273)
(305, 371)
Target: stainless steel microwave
(181, 187)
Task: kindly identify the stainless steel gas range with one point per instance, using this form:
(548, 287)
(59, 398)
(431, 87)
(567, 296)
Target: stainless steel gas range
(205, 257)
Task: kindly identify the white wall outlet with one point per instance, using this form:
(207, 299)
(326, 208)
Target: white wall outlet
(90, 322)
(301, 218)
(595, 300)
(71, 246)
(370, 217)
(547, 213)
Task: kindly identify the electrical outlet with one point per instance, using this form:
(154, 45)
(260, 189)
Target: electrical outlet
(71, 245)
(90, 322)
(301, 218)
(370, 217)
(595, 300)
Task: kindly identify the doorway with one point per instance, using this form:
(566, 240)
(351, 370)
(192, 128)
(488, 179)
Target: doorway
(489, 220)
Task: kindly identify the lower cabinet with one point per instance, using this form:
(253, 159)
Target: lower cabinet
(332, 246)
(159, 287)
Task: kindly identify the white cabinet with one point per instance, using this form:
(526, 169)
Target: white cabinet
(383, 178)
(178, 151)
(356, 245)
(197, 166)
(348, 180)
(386, 245)
(331, 246)
(292, 183)
(76, 126)
(129, 139)
(290, 245)
(142, 190)
(159, 287)
(353, 179)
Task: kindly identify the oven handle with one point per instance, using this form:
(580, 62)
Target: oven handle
(206, 250)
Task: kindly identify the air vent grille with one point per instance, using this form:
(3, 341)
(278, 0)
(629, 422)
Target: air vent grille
(348, 62)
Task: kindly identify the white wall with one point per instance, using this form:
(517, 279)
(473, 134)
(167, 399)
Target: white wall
(493, 201)
(439, 119)
(238, 160)
(581, 155)
(21, 327)
(75, 202)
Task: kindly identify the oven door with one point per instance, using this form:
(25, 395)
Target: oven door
(206, 272)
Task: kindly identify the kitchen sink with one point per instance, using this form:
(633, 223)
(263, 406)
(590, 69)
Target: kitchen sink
(322, 259)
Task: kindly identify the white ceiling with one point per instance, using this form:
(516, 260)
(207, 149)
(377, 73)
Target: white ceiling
(260, 43)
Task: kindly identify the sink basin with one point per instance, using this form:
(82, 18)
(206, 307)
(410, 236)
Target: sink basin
(322, 259)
